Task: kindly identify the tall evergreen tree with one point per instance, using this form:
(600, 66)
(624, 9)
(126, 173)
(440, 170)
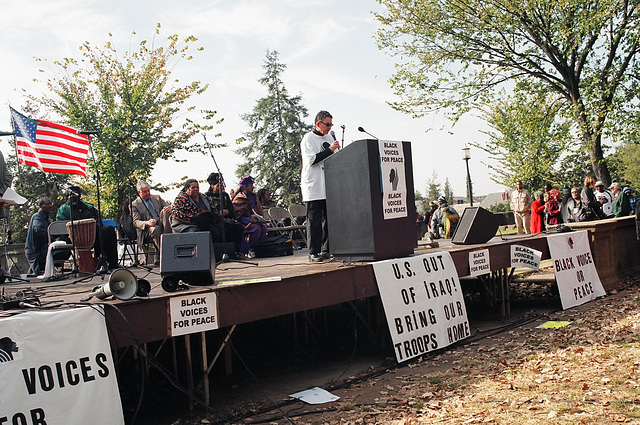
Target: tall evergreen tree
(272, 152)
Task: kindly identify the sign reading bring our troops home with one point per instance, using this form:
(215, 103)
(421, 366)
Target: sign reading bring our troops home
(423, 302)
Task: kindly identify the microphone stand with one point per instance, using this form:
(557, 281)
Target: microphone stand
(224, 258)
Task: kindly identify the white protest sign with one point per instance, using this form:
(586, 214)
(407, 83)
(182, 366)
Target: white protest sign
(423, 302)
(394, 185)
(193, 313)
(56, 369)
(576, 274)
(523, 256)
(479, 263)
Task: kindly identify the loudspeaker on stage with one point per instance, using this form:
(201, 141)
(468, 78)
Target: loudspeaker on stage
(476, 226)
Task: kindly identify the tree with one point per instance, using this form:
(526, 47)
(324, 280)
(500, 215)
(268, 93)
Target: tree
(527, 139)
(134, 102)
(277, 127)
(448, 192)
(434, 188)
(456, 53)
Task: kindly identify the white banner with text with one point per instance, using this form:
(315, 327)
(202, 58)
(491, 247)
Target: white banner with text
(394, 180)
(423, 302)
(193, 313)
(56, 369)
(576, 274)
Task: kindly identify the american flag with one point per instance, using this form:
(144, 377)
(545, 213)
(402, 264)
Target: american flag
(51, 147)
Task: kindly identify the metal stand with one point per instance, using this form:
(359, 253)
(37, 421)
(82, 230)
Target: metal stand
(225, 258)
(5, 269)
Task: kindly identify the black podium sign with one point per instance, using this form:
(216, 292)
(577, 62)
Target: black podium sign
(356, 204)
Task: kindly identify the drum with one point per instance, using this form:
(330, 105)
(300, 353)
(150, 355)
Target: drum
(83, 235)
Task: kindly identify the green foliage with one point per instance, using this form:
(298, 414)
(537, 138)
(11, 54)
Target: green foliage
(272, 152)
(434, 188)
(527, 138)
(628, 158)
(448, 192)
(135, 103)
(457, 53)
(33, 184)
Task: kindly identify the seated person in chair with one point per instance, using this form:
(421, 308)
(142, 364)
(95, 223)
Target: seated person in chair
(249, 213)
(191, 210)
(151, 216)
(37, 242)
(105, 235)
(218, 198)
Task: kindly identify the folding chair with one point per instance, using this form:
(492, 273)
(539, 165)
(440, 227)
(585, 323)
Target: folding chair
(55, 230)
(277, 214)
(296, 211)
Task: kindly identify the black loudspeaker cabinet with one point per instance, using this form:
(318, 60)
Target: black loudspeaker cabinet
(188, 257)
(476, 226)
(357, 228)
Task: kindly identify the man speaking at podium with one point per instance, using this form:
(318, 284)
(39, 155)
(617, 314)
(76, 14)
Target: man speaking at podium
(316, 146)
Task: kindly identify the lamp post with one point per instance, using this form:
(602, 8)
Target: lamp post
(466, 155)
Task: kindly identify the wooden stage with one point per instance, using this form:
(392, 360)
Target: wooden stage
(301, 286)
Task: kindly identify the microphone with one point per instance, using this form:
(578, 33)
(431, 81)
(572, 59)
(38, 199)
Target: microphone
(333, 134)
(362, 130)
(7, 133)
(87, 132)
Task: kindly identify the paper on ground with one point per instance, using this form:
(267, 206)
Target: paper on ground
(315, 395)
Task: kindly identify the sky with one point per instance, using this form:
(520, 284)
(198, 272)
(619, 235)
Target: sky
(328, 48)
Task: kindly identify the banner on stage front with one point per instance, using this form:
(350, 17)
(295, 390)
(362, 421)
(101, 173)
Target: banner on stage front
(423, 302)
(479, 262)
(394, 180)
(576, 274)
(193, 313)
(56, 369)
(523, 256)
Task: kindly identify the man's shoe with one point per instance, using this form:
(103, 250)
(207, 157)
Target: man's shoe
(315, 258)
(326, 256)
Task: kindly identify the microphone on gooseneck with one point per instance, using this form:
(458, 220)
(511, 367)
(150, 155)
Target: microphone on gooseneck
(363, 131)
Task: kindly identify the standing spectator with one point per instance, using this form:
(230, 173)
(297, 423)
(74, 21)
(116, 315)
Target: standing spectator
(37, 242)
(566, 196)
(621, 206)
(316, 146)
(576, 211)
(521, 207)
(605, 197)
(537, 213)
(553, 208)
(632, 199)
(589, 201)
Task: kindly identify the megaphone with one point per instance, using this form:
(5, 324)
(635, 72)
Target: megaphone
(122, 284)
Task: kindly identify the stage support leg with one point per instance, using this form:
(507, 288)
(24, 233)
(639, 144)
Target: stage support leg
(187, 346)
(364, 321)
(497, 290)
(205, 372)
(226, 347)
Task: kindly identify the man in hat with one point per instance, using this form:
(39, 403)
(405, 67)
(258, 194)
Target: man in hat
(151, 217)
(620, 206)
(106, 237)
(35, 248)
(316, 146)
(605, 197)
(249, 212)
(222, 208)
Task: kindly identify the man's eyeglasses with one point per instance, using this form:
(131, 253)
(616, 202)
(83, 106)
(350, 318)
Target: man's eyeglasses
(326, 125)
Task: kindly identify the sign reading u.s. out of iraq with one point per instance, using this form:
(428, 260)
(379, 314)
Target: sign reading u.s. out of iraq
(576, 274)
(423, 302)
(193, 313)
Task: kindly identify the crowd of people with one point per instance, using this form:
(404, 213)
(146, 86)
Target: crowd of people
(549, 208)
(240, 216)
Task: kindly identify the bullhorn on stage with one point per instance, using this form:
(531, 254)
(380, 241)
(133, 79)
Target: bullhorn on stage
(123, 285)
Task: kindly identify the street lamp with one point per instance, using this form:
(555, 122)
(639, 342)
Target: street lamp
(466, 155)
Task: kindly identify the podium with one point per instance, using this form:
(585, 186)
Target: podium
(359, 211)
